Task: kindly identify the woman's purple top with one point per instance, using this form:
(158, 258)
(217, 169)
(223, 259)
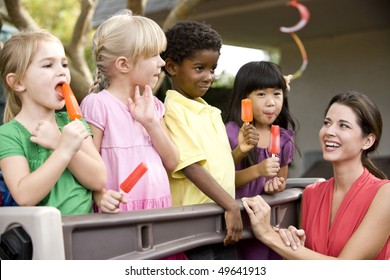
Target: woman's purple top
(252, 249)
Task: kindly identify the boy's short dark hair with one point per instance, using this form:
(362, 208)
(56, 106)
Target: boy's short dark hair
(186, 38)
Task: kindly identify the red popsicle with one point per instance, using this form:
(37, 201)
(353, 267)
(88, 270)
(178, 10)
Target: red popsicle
(133, 178)
(71, 104)
(246, 110)
(274, 140)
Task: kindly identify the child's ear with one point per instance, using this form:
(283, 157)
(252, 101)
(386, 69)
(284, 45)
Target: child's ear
(170, 67)
(18, 87)
(122, 64)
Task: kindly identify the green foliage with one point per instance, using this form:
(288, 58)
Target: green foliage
(58, 17)
(224, 80)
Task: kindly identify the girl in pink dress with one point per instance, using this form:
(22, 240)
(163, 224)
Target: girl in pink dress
(347, 216)
(124, 116)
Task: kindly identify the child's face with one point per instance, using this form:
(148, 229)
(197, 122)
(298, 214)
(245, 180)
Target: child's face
(147, 71)
(195, 75)
(48, 68)
(267, 105)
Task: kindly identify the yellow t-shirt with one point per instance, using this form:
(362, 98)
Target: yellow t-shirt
(200, 135)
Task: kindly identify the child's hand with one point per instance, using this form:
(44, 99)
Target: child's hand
(248, 137)
(276, 184)
(110, 201)
(233, 226)
(46, 135)
(142, 107)
(268, 167)
(73, 135)
(292, 236)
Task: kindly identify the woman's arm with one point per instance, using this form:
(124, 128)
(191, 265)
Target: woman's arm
(259, 213)
(366, 242)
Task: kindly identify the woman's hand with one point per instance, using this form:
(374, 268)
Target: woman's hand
(292, 237)
(259, 213)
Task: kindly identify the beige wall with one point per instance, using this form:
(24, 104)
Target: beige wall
(336, 64)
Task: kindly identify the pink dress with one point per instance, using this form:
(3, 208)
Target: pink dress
(125, 144)
(316, 207)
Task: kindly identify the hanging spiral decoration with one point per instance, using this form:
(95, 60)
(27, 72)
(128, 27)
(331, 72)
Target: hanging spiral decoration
(305, 16)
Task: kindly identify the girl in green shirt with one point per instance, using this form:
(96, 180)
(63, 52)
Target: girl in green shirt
(46, 159)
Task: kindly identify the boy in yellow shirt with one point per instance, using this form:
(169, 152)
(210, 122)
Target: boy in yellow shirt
(206, 170)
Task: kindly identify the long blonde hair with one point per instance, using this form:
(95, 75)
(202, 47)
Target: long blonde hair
(124, 34)
(15, 57)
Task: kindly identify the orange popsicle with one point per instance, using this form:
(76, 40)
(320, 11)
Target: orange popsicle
(71, 104)
(274, 140)
(246, 110)
(133, 178)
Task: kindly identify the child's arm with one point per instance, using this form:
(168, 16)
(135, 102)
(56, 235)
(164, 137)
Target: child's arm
(365, 243)
(163, 144)
(88, 167)
(268, 167)
(210, 187)
(97, 136)
(29, 188)
(86, 164)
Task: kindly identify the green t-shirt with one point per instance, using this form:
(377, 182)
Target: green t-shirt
(67, 195)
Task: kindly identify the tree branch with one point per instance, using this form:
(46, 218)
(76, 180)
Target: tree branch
(137, 6)
(181, 12)
(19, 15)
(82, 25)
(75, 50)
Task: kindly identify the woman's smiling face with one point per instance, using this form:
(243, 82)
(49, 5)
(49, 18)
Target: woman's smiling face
(341, 137)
